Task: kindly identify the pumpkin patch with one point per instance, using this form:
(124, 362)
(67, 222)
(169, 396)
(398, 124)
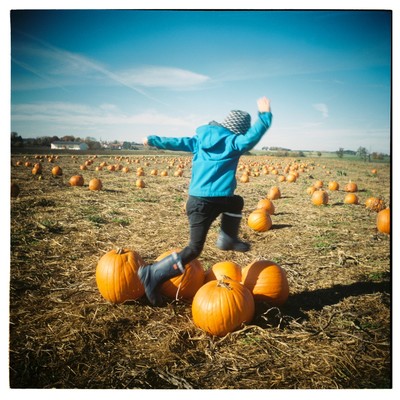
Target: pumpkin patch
(306, 304)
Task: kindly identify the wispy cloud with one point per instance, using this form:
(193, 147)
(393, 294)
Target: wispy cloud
(322, 108)
(164, 77)
(80, 115)
(63, 68)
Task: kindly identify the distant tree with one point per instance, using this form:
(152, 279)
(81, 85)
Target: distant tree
(93, 144)
(68, 138)
(43, 141)
(377, 156)
(126, 145)
(362, 153)
(319, 154)
(340, 152)
(16, 140)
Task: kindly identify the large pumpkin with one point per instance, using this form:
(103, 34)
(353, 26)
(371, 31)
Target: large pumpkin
(274, 193)
(259, 220)
(318, 184)
(267, 205)
(320, 197)
(267, 281)
(222, 306)
(375, 204)
(351, 198)
(351, 187)
(116, 276)
(383, 221)
(186, 285)
(224, 269)
(333, 185)
(76, 180)
(95, 184)
(291, 177)
(56, 171)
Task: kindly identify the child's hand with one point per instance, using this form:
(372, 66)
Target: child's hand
(263, 105)
(145, 141)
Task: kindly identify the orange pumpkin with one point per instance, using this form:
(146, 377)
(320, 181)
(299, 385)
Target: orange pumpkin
(244, 178)
(351, 187)
(36, 170)
(274, 193)
(116, 276)
(95, 184)
(140, 183)
(224, 269)
(76, 180)
(222, 306)
(291, 177)
(318, 184)
(186, 285)
(178, 172)
(281, 178)
(383, 221)
(333, 185)
(351, 198)
(56, 171)
(267, 281)
(311, 190)
(375, 204)
(259, 220)
(320, 197)
(267, 205)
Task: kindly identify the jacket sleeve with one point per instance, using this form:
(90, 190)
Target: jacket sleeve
(177, 144)
(247, 141)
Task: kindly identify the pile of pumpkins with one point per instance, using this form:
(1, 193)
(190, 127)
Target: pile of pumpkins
(223, 297)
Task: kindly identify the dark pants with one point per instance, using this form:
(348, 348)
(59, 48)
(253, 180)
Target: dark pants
(202, 212)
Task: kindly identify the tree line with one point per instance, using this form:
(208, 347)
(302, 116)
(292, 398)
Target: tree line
(45, 141)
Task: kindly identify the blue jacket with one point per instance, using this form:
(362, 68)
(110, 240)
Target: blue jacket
(216, 152)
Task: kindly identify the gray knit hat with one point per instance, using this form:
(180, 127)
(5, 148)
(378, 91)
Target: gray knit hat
(237, 121)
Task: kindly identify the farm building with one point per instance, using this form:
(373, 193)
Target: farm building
(69, 146)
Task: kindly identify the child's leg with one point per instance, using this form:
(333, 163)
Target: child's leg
(201, 215)
(230, 224)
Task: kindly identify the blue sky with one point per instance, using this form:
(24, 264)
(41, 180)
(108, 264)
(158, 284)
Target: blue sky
(124, 74)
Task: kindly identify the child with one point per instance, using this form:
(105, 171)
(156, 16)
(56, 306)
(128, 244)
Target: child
(216, 151)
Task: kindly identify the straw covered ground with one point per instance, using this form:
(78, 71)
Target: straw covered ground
(334, 331)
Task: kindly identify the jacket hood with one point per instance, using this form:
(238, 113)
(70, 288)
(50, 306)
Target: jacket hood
(213, 137)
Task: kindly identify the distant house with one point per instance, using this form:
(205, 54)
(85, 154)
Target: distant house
(69, 146)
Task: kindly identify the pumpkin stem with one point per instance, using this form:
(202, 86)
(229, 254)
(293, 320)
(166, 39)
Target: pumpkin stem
(119, 250)
(222, 283)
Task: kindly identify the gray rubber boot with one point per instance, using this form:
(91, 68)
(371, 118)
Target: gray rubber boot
(152, 276)
(228, 236)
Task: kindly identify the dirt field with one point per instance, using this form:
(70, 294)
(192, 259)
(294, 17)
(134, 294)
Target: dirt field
(333, 332)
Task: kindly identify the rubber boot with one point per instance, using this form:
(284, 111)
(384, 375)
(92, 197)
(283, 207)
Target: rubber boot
(152, 276)
(228, 236)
